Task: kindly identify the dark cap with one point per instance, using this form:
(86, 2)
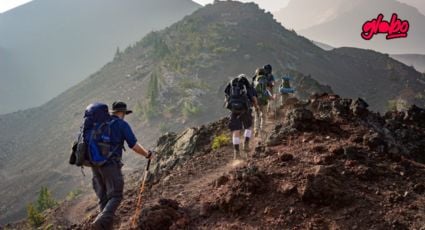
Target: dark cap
(268, 67)
(120, 106)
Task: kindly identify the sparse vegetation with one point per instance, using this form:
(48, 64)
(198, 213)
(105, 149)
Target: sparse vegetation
(44, 202)
(190, 110)
(219, 141)
(73, 194)
(190, 83)
(397, 105)
(419, 96)
(35, 218)
(151, 107)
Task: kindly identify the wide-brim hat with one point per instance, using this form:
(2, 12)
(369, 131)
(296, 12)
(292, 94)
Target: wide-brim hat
(120, 106)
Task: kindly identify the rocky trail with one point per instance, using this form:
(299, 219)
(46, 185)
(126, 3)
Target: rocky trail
(328, 163)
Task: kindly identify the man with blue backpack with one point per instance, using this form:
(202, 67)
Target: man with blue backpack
(99, 146)
(285, 89)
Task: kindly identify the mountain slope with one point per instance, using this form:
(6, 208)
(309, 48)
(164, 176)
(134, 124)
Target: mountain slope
(342, 22)
(62, 42)
(328, 164)
(416, 60)
(178, 74)
(35, 142)
(418, 4)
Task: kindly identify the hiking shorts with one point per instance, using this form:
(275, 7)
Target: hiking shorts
(240, 121)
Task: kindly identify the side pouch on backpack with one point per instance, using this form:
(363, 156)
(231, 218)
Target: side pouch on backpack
(73, 157)
(81, 155)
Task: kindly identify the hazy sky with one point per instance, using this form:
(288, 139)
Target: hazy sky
(9, 4)
(269, 5)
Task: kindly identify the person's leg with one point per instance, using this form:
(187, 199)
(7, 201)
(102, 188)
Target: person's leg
(257, 122)
(235, 126)
(236, 143)
(247, 124)
(99, 188)
(114, 182)
(263, 117)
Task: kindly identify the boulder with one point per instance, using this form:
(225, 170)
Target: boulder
(324, 188)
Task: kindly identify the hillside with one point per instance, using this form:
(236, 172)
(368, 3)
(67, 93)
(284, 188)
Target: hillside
(35, 143)
(418, 4)
(416, 60)
(178, 74)
(339, 23)
(327, 163)
(62, 42)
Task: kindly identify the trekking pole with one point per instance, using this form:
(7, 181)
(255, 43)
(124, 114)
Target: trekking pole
(139, 199)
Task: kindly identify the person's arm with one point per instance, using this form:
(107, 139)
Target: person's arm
(253, 97)
(131, 140)
(255, 103)
(138, 148)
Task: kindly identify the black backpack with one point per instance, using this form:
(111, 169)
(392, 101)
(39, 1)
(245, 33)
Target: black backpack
(237, 95)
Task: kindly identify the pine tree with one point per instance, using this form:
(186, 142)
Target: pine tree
(45, 199)
(35, 217)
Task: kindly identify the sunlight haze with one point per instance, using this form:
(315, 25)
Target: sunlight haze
(6, 5)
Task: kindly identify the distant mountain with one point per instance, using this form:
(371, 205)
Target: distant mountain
(418, 4)
(323, 45)
(339, 23)
(51, 45)
(174, 78)
(297, 16)
(416, 60)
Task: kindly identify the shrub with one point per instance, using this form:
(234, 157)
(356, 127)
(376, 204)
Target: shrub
(73, 194)
(190, 110)
(219, 141)
(45, 200)
(35, 217)
(397, 105)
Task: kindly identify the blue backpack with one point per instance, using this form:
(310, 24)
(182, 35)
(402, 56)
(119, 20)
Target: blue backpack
(93, 146)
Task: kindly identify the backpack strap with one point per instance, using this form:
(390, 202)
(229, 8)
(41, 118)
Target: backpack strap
(120, 145)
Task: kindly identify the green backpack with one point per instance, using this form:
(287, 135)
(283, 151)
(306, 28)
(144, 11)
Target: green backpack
(260, 85)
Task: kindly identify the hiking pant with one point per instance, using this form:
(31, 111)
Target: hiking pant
(108, 183)
(260, 118)
(283, 98)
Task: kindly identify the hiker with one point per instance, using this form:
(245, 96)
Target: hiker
(108, 182)
(240, 97)
(285, 89)
(262, 89)
(270, 82)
